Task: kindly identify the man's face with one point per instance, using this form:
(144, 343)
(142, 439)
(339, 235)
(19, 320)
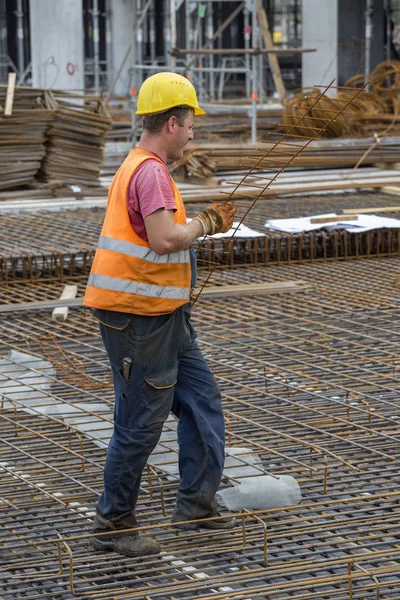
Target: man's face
(182, 134)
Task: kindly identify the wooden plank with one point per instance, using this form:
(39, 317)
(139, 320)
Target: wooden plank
(285, 189)
(272, 59)
(390, 189)
(10, 94)
(338, 219)
(278, 287)
(376, 209)
(234, 51)
(60, 313)
(40, 304)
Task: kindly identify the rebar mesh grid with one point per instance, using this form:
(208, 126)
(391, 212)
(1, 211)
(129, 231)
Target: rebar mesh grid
(61, 245)
(309, 383)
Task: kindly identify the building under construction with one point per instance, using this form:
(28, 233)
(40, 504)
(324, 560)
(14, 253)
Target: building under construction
(295, 307)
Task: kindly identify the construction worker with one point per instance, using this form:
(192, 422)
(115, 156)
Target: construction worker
(139, 286)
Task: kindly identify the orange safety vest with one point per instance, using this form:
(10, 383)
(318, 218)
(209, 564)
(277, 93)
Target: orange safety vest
(127, 275)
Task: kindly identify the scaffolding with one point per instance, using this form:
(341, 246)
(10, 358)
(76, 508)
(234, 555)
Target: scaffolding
(3, 43)
(190, 30)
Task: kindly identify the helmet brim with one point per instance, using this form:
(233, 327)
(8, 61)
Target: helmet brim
(197, 110)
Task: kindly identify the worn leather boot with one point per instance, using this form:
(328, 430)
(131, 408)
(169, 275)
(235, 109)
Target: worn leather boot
(216, 524)
(130, 544)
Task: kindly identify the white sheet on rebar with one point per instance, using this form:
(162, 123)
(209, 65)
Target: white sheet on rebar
(363, 223)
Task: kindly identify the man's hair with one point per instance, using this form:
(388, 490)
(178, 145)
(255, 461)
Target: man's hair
(153, 123)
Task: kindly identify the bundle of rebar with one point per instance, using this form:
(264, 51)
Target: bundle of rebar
(374, 110)
(22, 135)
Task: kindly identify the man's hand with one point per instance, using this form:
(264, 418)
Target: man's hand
(217, 218)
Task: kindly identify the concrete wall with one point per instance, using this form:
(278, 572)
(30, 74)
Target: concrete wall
(121, 39)
(351, 51)
(336, 28)
(57, 44)
(320, 31)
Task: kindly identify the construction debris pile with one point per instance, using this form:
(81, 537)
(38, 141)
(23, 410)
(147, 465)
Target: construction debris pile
(52, 137)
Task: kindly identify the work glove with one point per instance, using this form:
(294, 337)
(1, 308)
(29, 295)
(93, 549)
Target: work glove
(217, 218)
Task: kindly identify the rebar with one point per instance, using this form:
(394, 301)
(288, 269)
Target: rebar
(314, 132)
(309, 382)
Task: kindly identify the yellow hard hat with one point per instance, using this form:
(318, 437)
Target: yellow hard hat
(163, 91)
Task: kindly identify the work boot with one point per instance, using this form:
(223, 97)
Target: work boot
(216, 524)
(130, 544)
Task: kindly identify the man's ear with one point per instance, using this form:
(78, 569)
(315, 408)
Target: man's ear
(171, 123)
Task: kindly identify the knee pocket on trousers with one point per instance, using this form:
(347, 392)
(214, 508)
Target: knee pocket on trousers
(158, 396)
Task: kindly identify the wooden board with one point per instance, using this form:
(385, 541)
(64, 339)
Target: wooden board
(376, 209)
(10, 94)
(22, 134)
(278, 287)
(337, 219)
(394, 191)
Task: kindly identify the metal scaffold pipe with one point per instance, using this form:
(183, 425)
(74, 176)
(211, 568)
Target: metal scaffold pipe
(211, 64)
(3, 42)
(109, 62)
(152, 34)
(368, 38)
(167, 32)
(96, 43)
(20, 36)
(254, 77)
(247, 32)
(173, 29)
(389, 29)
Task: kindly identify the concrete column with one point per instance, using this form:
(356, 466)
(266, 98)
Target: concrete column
(320, 31)
(336, 28)
(351, 50)
(121, 39)
(57, 44)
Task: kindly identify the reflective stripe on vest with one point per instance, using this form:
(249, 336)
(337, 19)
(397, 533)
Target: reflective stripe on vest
(143, 252)
(134, 287)
(126, 274)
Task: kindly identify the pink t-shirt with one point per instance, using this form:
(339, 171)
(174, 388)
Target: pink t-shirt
(149, 190)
